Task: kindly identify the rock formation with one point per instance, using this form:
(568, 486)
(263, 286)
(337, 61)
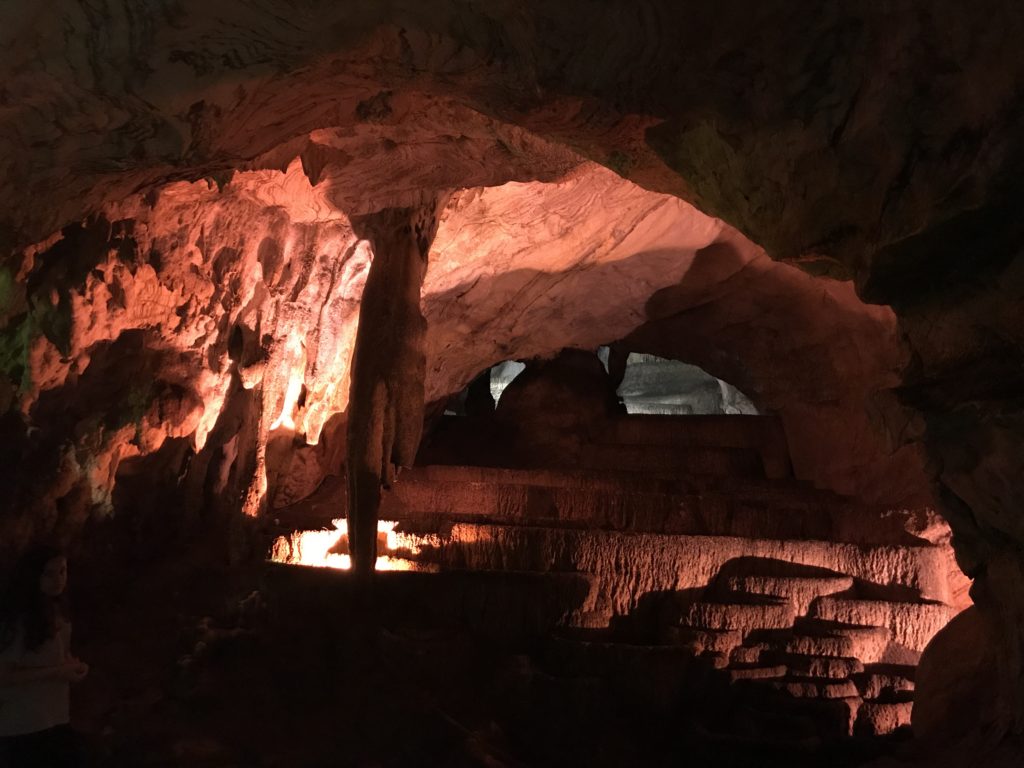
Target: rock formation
(388, 368)
(816, 203)
(773, 597)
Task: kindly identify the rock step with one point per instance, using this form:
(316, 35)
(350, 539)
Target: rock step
(884, 686)
(700, 640)
(745, 617)
(616, 505)
(752, 489)
(789, 495)
(800, 590)
(615, 509)
(820, 646)
(868, 643)
(760, 518)
(811, 666)
(876, 718)
(912, 624)
(715, 659)
(666, 503)
(746, 654)
(441, 474)
(735, 674)
(818, 638)
(626, 565)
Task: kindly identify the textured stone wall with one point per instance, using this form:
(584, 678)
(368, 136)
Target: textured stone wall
(191, 311)
(878, 143)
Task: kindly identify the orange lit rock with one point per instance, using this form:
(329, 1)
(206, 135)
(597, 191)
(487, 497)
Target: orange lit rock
(225, 144)
(629, 565)
(198, 266)
(388, 367)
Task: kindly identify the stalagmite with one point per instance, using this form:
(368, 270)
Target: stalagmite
(388, 367)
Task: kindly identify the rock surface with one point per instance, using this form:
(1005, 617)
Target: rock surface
(179, 175)
(225, 294)
(956, 683)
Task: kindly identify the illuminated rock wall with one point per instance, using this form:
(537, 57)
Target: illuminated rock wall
(878, 144)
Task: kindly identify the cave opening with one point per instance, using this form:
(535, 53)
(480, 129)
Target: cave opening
(657, 386)
(650, 384)
(647, 354)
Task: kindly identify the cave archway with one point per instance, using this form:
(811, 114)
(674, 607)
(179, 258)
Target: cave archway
(650, 385)
(229, 198)
(659, 275)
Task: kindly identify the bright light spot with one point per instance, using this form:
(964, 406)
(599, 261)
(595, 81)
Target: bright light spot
(329, 549)
(291, 397)
(502, 375)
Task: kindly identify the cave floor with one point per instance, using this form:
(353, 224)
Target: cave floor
(205, 665)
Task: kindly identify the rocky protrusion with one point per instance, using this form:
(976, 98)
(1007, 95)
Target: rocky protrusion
(388, 367)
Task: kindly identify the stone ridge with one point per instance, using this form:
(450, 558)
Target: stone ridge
(822, 633)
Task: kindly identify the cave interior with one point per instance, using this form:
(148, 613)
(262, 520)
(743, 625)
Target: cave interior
(521, 384)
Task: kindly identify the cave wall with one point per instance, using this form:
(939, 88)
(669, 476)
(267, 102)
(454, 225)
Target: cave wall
(228, 316)
(824, 364)
(879, 143)
(757, 114)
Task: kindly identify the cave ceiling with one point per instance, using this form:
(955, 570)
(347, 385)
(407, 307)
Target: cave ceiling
(756, 114)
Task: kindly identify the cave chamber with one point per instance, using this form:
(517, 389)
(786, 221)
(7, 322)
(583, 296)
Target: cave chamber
(664, 364)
